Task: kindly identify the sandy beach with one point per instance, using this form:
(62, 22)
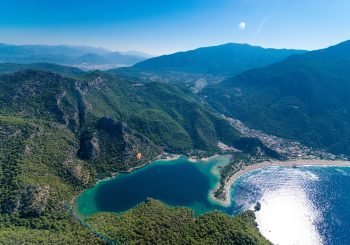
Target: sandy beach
(169, 157)
(291, 163)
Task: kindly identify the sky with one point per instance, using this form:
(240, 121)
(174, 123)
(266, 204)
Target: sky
(166, 26)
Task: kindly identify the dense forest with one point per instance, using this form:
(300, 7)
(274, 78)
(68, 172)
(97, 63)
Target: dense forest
(60, 133)
(153, 222)
(63, 129)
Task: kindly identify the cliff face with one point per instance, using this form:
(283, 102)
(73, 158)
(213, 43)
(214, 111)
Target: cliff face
(115, 146)
(58, 135)
(32, 200)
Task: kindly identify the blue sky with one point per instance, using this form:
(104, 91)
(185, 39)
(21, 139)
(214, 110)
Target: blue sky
(166, 26)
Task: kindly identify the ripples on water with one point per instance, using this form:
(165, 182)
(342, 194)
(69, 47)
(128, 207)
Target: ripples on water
(306, 205)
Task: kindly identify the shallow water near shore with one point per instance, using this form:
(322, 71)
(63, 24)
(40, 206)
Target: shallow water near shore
(178, 182)
(303, 205)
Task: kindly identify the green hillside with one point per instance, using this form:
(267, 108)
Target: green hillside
(304, 98)
(153, 222)
(59, 135)
(62, 70)
(39, 174)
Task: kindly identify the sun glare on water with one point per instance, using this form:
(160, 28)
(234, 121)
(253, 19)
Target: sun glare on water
(288, 215)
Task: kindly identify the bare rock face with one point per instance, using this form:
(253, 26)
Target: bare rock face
(27, 150)
(116, 146)
(95, 147)
(89, 146)
(78, 174)
(96, 82)
(32, 200)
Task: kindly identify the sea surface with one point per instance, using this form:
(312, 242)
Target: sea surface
(303, 205)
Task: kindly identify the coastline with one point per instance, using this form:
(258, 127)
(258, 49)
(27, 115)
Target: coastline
(164, 156)
(290, 163)
(203, 159)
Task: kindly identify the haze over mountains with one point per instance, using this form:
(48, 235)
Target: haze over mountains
(200, 67)
(296, 90)
(63, 70)
(84, 57)
(62, 128)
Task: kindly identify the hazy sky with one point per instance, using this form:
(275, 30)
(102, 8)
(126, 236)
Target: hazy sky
(165, 26)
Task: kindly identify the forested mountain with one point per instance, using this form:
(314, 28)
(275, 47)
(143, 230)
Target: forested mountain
(304, 97)
(59, 135)
(177, 226)
(79, 56)
(227, 59)
(62, 70)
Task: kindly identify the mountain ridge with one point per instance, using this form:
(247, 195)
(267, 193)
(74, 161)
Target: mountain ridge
(225, 59)
(59, 135)
(67, 55)
(301, 98)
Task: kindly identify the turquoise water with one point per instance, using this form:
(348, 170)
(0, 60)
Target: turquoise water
(304, 205)
(177, 182)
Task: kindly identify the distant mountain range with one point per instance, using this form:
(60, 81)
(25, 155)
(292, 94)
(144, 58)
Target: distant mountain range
(83, 57)
(59, 69)
(228, 59)
(304, 97)
(224, 60)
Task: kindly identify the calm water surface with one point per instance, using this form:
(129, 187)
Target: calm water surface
(304, 205)
(178, 182)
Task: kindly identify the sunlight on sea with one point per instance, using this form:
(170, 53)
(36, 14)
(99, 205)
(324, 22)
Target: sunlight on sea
(288, 215)
(303, 205)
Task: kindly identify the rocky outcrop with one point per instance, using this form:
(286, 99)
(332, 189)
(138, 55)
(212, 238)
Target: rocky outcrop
(89, 146)
(116, 146)
(77, 173)
(31, 200)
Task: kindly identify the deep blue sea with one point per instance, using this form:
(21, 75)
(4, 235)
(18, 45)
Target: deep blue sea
(304, 205)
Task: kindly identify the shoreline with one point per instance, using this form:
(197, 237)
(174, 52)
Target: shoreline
(290, 163)
(160, 157)
(164, 156)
